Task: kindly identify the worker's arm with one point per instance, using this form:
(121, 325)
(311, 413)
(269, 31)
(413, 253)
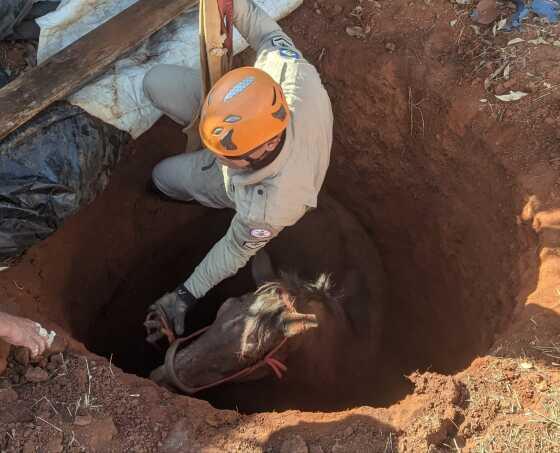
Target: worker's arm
(242, 240)
(256, 26)
(22, 332)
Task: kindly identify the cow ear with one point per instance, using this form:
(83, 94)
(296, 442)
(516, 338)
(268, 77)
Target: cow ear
(262, 269)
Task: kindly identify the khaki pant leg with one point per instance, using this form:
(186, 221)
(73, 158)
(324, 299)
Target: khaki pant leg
(192, 176)
(175, 90)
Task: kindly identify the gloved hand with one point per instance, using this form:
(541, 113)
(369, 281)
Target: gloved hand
(175, 306)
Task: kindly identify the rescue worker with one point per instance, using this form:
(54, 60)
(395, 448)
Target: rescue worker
(268, 135)
(18, 331)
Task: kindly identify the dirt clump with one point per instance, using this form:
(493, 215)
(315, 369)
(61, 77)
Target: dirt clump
(73, 403)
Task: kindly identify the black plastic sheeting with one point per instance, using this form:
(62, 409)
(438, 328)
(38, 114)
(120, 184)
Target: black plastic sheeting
(12, 12)
(49, 168)
(17, 17)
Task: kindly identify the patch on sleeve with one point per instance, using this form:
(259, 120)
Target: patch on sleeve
(289, 53)
(261, 233)
(280, 41)
(254, 245)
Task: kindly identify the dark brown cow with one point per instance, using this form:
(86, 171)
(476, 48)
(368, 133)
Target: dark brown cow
(332, 331)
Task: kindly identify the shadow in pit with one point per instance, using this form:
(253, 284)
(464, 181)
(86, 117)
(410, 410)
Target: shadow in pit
(356, 433)
(351, 433)
(143, 246)
(113, 277)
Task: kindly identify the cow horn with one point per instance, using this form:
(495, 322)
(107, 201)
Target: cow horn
(296, 323)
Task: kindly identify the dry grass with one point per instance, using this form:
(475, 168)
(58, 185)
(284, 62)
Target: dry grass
(415, 106)
(534, 429)
(549, 419)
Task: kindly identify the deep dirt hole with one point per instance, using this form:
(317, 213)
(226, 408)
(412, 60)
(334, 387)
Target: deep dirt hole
(437, 202)
(448, 270)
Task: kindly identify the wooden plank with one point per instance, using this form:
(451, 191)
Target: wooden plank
(82, 61)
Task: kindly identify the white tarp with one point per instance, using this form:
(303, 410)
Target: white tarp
(117, 97)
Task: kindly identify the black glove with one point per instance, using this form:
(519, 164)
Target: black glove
(176, 305)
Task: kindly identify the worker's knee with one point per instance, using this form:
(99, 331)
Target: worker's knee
(175, 90)
(150, 83)
(159, 177)
(155, 189)
(167, 180)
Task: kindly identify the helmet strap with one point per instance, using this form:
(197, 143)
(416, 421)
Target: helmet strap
(269, 157)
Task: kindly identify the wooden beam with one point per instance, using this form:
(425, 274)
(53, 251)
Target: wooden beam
(82, 61)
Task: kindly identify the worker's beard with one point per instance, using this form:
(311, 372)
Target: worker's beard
(268, 158)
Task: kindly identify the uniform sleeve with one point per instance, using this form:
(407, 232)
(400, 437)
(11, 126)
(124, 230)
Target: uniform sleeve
(257, 27)
(242, 240)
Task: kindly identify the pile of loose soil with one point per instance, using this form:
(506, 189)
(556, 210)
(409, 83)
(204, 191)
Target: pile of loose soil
(459, 190)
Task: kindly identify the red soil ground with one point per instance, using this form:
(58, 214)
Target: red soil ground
(461, 196)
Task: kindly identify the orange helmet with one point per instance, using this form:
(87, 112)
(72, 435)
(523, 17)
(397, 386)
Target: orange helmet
(243, 110)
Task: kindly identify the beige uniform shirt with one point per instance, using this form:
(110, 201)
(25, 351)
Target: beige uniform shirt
(277, 196)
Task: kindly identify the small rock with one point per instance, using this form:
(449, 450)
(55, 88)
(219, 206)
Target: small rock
(8, 395)
(550, 121)
(98, 435)
(500, 89)
(60, 344)
(39, 361)
(82, 420)
(357, 31)
(348, 432)
(15, 379)
(56, 360)
(294, 444)
(532, 87)
(391, 47)
(54, 445)
(486, 12)
(21, 355)
(36, 374)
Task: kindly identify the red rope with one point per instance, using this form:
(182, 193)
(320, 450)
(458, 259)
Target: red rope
(276, 365)
(226, 10)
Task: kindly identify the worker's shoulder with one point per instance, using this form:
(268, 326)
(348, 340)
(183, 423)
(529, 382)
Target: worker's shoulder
(286, 65)
(294, 189)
